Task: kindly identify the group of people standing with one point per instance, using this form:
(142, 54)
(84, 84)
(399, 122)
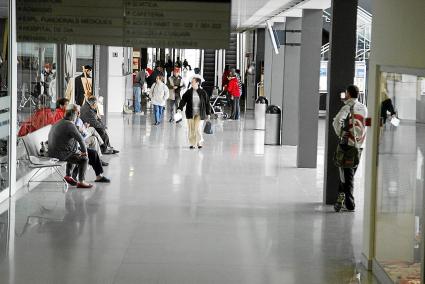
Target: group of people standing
(169, 91)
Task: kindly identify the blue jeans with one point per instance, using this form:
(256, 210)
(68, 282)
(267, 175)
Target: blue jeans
(158, 111)
(137, 93)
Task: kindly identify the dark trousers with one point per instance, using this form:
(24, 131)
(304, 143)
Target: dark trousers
(93, 161)
(236, 108)
(104, 135)
(77, 166)
(347, 186)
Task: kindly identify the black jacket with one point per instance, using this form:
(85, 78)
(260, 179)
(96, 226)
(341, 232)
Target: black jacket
(89, 115)
(204, 107)
(79, 90)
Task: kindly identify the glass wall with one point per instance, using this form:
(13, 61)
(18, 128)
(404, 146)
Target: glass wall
(36, 85)
(400, 180)
(4, 103)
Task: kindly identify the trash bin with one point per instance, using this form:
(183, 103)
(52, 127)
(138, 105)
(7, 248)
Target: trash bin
(273, 121)
(260, 113)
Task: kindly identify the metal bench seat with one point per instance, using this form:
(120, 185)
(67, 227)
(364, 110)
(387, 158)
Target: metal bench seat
(32, 143)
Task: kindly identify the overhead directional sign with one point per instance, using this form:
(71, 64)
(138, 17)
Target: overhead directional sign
(142, 23)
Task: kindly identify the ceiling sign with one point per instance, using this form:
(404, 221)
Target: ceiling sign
(148, 23)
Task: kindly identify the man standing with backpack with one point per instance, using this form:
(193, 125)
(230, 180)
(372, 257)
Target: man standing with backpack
(349, 126)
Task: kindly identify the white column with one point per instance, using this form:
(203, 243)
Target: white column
(13, 91)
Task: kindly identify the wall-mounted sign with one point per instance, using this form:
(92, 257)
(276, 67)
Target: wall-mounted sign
(141, 23)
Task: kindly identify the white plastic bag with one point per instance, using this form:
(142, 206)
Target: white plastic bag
(178, 116)
(395, 121)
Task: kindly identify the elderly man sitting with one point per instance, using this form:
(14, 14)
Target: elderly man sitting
(90, 136)
(89, 115)
(67, 144)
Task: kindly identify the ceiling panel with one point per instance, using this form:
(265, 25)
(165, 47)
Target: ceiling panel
(248, 14)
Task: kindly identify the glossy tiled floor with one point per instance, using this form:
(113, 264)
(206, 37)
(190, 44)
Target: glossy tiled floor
(233, 212)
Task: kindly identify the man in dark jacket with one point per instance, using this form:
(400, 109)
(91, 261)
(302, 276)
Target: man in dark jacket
(67, 144)
(89, 115)
(79, 88)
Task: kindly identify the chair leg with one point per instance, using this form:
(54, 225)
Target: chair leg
(61, 176)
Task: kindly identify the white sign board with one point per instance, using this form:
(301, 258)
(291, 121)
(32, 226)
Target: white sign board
(139, 23)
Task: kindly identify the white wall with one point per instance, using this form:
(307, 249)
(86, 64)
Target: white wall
(397, 40)
(118, 85)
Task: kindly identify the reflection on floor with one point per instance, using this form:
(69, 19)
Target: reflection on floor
(233, 212)
(400, 201)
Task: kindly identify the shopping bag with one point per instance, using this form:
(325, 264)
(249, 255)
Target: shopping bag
(178, 117)
(395, 121)
(208, 128)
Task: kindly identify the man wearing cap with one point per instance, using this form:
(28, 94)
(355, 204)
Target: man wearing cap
(89, 115)
(81, 84)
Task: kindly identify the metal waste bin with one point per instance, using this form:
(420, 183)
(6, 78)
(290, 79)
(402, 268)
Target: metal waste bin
(260, 113)
(273, 122)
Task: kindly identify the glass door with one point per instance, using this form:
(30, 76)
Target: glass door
(400, 180)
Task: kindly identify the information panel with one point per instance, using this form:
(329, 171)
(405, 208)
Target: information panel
(152, 23)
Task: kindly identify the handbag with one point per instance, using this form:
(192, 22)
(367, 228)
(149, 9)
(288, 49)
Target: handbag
(347, 156)
(208, 128)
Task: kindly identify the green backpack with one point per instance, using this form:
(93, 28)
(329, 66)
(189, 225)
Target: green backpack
(347, 156)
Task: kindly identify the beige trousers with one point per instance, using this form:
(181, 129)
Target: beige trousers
(94, 140)
(195, 131)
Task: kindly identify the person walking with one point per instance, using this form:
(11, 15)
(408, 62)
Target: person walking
(159, 94)
(175, 84)
(138, 82)
(197, 110)
(349, 126)
(235, 94)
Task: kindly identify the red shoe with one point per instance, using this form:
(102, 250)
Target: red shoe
(84, 185)
(70, 180)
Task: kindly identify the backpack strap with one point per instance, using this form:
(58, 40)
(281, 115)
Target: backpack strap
(354, 125)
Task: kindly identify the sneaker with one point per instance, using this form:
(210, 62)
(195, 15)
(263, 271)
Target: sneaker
(339, 202)
(199, 146)
(104, 164)
(103, 180)
(70, 180)
(192, 147)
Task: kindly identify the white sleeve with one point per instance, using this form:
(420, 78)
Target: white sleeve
(166, 93)
(339, 119)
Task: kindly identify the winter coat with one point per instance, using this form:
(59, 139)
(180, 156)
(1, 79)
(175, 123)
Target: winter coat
(159, 94)
(187, 100)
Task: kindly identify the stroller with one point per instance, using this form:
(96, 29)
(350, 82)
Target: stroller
(218, 101)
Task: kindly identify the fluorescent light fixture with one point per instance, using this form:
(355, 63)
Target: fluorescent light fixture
(272, 36)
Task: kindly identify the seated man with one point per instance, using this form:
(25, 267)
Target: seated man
(67, 144)
(61, 105)
(89, 115)
(90, 136)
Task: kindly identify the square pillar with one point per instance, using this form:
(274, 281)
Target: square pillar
(277, 70)
(291, 78)
(308, 99)
(340, 75)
